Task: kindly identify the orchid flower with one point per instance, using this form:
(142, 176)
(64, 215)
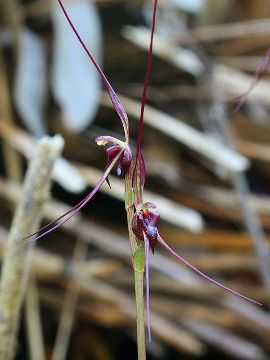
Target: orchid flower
(145, 215)
(119, 151)
(145, 228)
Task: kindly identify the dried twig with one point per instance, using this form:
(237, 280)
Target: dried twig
(33, 321)
(225, 31)
(16, 264)
(11, 158)
(240, 183)
(230, 343)
(69, 308)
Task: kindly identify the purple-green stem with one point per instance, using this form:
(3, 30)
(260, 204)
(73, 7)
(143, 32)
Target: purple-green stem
(135, 179)
(137, 253)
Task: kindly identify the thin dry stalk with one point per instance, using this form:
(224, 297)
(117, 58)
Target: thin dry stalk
(11, 158)
(33, 321)
(17, 257)
(42, 7)
(69, 308)
(230, 343)
(250, 219)
(232, 82)
(10, 15)
(225, 31)
(164, 329)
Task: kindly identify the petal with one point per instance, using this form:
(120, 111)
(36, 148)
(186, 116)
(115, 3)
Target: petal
(103, 140)
(124, 162)
(149, 221)
(111, 152)
(142, 168)
(149, 205)
(138, 178)
(137, 227)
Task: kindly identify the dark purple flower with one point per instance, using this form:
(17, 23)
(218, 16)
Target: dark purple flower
(145, 223)
(124, 162)
(144, 226)
(137, 227)
(113, 151)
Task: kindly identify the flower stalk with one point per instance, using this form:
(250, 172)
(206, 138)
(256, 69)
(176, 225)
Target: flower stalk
(138, 261)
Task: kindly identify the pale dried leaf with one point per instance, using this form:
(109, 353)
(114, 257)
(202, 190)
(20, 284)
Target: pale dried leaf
(30, 82)
(75, 82)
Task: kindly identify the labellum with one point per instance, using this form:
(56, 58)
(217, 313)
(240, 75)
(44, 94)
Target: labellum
(124, 162)
(145, 224)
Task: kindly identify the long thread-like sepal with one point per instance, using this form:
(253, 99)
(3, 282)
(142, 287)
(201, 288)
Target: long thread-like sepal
(113, 96)
(53, 225)
(200, 273)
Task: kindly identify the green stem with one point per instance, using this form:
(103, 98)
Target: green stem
(137, 252)
(140, 314)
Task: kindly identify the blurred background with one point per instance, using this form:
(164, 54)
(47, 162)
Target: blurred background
(208, 171)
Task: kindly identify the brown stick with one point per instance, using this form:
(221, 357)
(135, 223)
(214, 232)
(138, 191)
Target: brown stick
(69, 306)
(11, 158)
